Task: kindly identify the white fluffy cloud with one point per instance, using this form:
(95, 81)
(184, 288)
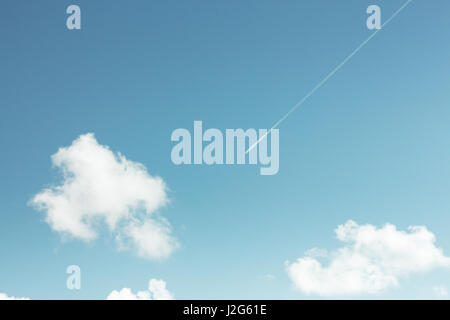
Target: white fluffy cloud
(101, 187)
(156, 291)
(371, 260)
(151, 238)
(4, 296)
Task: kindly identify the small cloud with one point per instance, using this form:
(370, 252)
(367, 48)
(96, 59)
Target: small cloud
(100, 187)
(316, 253)
(4, 296)
(440, 291)
(371, 260)
(269, 276)
(151, 238)
(156, 291)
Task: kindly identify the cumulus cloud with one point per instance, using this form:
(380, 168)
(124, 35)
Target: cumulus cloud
(4, 296)
(100, 187)
(372, 260)
(156, 291)
(151, 238)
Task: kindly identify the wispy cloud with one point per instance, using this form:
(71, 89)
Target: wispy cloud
(440, 292)
(269, 276)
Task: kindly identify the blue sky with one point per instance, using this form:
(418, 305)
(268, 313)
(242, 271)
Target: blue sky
(372, 145)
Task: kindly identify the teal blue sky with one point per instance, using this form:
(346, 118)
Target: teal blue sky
(372, 145)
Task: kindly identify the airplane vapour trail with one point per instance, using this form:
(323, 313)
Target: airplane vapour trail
(324, 80)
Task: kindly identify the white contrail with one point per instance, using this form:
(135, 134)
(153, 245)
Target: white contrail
(321, 83)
